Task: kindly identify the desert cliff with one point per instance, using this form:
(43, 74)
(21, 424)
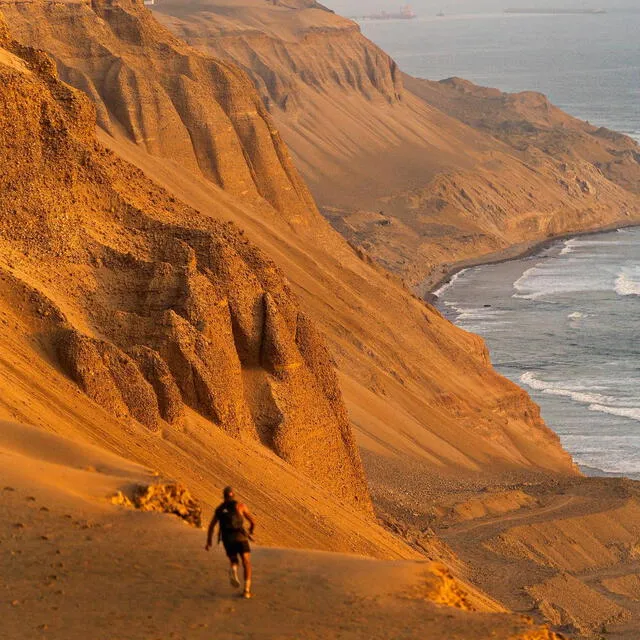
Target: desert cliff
(152, 310)
(420, 175)
(155, 333)
(171, 295)
(404, 390)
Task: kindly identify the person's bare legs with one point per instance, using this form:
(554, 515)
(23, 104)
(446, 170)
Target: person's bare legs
(246, 566)
(233, 571)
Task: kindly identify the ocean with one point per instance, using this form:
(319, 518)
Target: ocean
(564, 325)
(589, 65)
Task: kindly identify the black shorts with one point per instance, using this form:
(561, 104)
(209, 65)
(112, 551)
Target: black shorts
(236, 547)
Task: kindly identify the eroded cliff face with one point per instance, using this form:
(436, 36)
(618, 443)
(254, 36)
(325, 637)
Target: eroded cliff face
(419, 175)
(196, 111)
(289, 49)
(153, 310)
(413, 383)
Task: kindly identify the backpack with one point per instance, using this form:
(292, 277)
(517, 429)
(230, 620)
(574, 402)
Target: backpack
(231, 520)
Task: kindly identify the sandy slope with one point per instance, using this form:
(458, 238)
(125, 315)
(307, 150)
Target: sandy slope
(415, 384)
(401, 401)
(101, 253)
(396, 168)
(74, 566)
(417, 389)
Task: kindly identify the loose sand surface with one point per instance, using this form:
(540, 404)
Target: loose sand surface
(74, 566)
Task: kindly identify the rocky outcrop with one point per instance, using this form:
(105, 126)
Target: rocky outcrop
(149, 307)
(109, 377)
(171, 498)
(192, 109)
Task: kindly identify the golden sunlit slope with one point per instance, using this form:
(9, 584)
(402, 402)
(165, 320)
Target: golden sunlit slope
(187, 342)
(76, 567)
(414, 385)
(391, 161)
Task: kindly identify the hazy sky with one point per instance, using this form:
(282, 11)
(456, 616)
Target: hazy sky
(429, 7)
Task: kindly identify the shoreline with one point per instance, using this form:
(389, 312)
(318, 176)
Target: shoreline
(596, 472)
(519, 252)
(428, 287)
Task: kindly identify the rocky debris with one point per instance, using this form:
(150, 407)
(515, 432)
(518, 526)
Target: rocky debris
(170, 498)
(444, 589)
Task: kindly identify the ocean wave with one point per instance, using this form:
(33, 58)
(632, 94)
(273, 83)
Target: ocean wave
(582, 395)
(577, 273)
(524, 284)
(477, 313)
(569, 246)
(579, 394)
(581, 245)
(447, 285)
(545, 280)
(627, 284)
(484, 328)
(624, 412)
(607, 242)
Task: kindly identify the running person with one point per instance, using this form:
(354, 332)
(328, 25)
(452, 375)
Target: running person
(230, 516)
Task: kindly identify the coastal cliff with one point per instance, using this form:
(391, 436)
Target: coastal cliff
(153, 311)
(413, 384)
(187, 315)
(200, 112)
(429, 174)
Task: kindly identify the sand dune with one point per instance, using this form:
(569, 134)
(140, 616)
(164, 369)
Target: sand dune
(75, 566)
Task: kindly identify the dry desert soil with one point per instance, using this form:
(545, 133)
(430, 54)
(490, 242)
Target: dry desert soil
(218, 221)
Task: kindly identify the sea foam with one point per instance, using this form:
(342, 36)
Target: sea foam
(447, 285)
(627, 284)
(624, 412)
(569, 246)
(579, 394)
(595, 401)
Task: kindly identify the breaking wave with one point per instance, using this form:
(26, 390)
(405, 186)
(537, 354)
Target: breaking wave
(447, 285)
(579, 394)
(627, 285)
(569, 246)
(624, 412)
(595, 401)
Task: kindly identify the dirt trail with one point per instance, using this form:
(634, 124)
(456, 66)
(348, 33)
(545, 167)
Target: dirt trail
(561, 505)
(571, 559)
